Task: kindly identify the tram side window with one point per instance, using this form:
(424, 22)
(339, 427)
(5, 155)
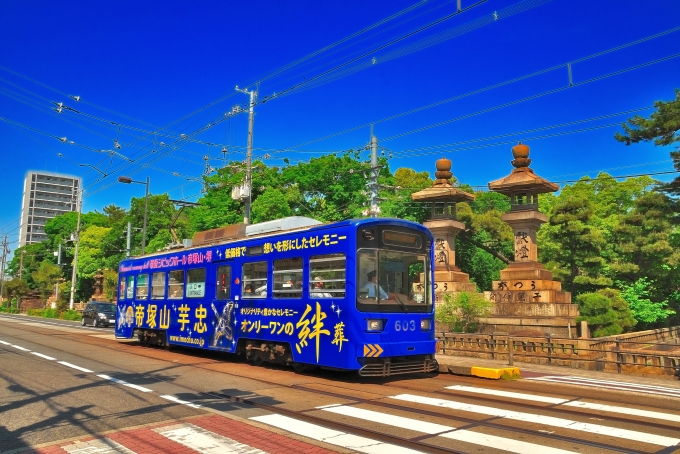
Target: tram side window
(176, 284)
(130, 287)
(327, 276)
(158, 286)
(142, 287)
(196, 283)
(288, 278)
(254, 280)
(121, 290)
(223, 283)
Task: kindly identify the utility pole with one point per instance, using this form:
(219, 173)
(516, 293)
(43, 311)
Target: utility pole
(5, 251)
(372, 184)
(75, 254)
(21, 263)
(129, 239)
(249, 154)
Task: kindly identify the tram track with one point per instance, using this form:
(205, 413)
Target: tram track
(417, 443)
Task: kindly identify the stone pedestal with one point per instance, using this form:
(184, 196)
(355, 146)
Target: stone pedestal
(526, 298)
(448, 277)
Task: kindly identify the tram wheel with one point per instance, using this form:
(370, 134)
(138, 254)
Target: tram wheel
(300, 367)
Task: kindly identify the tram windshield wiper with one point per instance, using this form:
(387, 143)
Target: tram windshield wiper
(401, 303)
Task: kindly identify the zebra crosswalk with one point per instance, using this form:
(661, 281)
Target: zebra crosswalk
(448, 424)
(609, 384)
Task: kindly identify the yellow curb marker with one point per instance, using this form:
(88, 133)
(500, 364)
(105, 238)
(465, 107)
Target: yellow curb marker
(495, 374)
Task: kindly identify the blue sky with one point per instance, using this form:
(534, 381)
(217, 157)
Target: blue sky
(145, 65)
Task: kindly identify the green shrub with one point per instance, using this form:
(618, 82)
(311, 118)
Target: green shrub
(606, 312)
(462, 311)
(71, 315)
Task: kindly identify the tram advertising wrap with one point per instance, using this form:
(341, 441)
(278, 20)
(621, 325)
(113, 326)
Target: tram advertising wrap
(354, 295)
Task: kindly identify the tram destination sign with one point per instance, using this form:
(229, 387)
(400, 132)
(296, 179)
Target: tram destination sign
(402, 239)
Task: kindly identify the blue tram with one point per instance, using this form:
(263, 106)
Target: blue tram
(353, 295)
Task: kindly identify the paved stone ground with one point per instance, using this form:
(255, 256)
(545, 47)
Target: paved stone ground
(208, 434)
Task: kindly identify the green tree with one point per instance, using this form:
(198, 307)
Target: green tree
(14, 289)
(644, 238)
(33, 255)
(114, 213)
(647, 313)
(606, 312)
(330, 187)
(269, 206)
(486, 246)
(91, 254)
(462, 311)
(662, 127)
(45, 277)
(574, 246)
(398, 204)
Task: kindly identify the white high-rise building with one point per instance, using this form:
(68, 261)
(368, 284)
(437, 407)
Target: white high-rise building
(46, 195)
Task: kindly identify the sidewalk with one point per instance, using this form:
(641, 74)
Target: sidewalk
(458, 365)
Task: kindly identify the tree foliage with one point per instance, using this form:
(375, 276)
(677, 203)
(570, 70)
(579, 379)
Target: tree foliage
(661, 127)
(462, 311)
(644, 310)
(606, 312)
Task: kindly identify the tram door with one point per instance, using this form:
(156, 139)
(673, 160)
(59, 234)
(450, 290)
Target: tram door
(223, 308)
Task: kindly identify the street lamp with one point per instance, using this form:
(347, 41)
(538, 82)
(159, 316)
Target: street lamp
(128, 180)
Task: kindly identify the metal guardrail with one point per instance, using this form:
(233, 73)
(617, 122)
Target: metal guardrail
(623, 355)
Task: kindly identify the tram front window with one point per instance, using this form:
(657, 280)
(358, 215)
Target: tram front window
(391, 281)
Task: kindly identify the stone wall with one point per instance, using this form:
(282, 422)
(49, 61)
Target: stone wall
(654, 352)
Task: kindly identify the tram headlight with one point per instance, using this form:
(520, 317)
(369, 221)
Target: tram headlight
(425, 324)
(375, 325)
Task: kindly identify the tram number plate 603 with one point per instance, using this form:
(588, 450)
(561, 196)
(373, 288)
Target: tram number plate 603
(405, 325)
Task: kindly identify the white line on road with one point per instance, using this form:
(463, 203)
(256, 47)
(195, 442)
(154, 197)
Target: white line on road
(180, 401)
(5, 343)
(505, 444)
(43, 356)
(568, 403)
(390, 420)
(543, 420)
(616, 385)
(124, 383)
(73, 366)
(19, 347)
(330, 436)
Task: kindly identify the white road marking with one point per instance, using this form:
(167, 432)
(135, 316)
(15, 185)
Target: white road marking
(5, 343)
(180, 401)
(543, 420)
(124, 383)
(82, 369)
(506, 444)
(330, 436)
(204, 441)
(510, 394)
(623, 386)
(390, 420)
(568, 403)
(43, 356)
(19, 347)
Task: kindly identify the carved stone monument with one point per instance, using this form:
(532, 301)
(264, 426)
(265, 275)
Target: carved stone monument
(526, 297)
(445, 227)
(98, 287)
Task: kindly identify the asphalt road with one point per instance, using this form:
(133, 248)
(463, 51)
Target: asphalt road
(60, 382)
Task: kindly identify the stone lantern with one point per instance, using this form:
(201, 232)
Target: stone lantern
(526, 294)
(442, 197)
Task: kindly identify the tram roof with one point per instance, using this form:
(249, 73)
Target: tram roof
(269, 233)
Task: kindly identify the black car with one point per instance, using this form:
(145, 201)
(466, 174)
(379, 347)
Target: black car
(99, 314)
